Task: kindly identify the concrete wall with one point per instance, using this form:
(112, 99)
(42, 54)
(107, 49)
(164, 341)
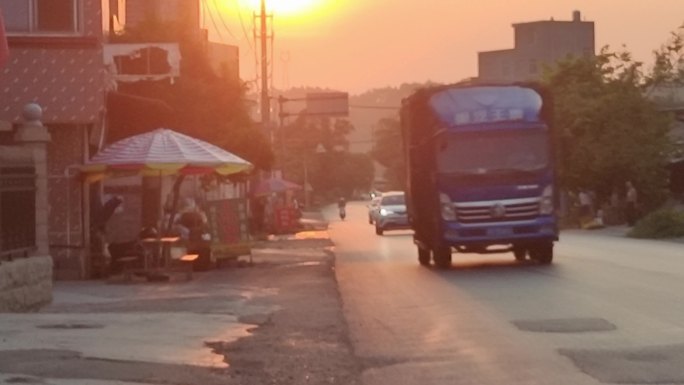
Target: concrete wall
(25, 284)
(185, 11)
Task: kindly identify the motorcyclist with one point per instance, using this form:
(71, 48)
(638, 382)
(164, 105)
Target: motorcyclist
(342, 207)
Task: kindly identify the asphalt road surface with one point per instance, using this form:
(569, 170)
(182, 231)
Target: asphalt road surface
(609, 310)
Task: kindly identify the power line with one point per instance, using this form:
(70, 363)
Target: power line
(213, 21)
(244, 29)
(249, 41)
(223, 21)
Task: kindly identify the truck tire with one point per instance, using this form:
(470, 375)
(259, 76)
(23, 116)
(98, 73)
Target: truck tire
(442, 257)
(520, 253)
(378, 230)
(542, 253)
(424, 256)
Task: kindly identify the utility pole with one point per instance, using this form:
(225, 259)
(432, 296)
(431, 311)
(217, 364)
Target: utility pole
(265, 102)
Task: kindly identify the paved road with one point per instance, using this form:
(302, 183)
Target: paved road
(609, 310)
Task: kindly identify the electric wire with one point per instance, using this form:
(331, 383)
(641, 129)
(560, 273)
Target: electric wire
(223, 21)
(213, 22)
(242, 25)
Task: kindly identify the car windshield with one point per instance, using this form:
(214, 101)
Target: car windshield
(393, 200)
(483, 152)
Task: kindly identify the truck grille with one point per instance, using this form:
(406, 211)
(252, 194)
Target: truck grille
(497, 211)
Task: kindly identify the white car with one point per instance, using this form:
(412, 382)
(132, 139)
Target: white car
(392, 213)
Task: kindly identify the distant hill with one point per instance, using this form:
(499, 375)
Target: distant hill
(365, 111)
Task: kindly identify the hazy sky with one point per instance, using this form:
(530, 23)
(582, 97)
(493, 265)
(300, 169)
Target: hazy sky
(356, 45)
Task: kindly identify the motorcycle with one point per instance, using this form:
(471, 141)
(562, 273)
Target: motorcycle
(343, 213)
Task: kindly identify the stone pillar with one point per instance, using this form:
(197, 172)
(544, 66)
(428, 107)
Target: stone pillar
(32, 134)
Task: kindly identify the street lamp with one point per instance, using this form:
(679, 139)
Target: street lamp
(307, 186)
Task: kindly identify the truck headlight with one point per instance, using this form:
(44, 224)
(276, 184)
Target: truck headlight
(447, 207)
(546, 206)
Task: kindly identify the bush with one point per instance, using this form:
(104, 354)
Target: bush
(660, 224)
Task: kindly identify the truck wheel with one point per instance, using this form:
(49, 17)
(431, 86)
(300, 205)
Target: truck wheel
(424, 256)
(520, 253)
(542, 253)
(442, 257)
(370, 220)
(378, 229)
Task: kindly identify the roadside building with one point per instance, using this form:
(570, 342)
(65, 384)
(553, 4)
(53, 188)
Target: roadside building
(56, 62)
(537, 44)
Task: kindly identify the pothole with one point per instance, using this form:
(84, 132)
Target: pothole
(640, 365)
(76, 325)
(565, 325)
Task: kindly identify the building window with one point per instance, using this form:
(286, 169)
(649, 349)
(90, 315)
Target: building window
(41, 16)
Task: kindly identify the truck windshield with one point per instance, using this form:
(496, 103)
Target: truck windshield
(493, 151)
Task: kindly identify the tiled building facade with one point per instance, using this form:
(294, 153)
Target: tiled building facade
(56, 61)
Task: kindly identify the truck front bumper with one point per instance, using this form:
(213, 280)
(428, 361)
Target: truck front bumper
(501, 233)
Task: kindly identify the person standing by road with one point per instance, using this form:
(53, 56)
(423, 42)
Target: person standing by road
(630, 204)
(585, 204)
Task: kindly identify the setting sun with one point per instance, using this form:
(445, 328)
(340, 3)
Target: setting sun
(284, 7)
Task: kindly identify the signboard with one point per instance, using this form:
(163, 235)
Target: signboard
(286, 220)
(327, 103)
(228, 221)
(486, 104)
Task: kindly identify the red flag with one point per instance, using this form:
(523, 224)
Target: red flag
(4, 48)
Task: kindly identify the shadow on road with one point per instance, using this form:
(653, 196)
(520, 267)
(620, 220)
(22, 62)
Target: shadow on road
(492, 266)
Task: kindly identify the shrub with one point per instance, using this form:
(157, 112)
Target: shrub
(660, 224)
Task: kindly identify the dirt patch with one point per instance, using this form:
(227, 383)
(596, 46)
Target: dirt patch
(306, 342)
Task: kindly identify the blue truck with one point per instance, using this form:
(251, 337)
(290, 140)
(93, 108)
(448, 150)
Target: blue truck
(480, 171)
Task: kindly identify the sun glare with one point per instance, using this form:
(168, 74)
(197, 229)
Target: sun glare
(284, 7)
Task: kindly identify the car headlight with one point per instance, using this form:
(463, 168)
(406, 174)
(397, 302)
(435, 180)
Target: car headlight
(546, 206)
(385, 212)
(447, 207)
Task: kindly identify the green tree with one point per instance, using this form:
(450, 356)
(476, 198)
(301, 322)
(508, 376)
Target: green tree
(320, 146)
(388, 150)
(341, 173)
(607, 130)
(668, 67)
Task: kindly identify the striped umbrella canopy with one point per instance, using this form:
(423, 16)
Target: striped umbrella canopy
(274, 185)
(165, 152)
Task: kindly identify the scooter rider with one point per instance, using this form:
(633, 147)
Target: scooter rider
(342, 207)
